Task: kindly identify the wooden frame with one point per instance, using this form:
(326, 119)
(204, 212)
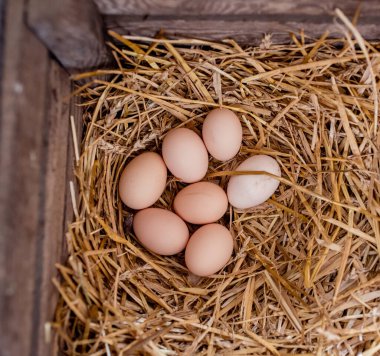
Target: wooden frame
(41, 41)
(35, 167)
(72, 30)
(246, 21)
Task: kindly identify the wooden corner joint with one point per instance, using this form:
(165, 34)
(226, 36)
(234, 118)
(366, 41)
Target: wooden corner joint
(72, 30)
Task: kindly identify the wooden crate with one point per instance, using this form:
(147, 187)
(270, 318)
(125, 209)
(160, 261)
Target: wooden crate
(41, 43)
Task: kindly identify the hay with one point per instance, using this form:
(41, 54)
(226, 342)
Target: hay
(304, 276)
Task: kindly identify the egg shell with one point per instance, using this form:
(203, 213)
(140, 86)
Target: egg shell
(160, 231)
(222, 134)
(143, 180)
(208, 250)
(247, 191)
(185, 155)
(201, 203)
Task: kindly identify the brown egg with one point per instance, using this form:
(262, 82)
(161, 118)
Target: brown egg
(160, 231)
(201, 203)
(185, 155)
(208, 250)
(143, 181)
(222, 134)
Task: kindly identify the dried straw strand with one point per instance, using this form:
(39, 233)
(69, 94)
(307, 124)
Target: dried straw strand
(304, 276)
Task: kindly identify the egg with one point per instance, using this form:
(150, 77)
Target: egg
(201, 203)
(185, 155)
(143, 180)
(222, 134)
(247, 191)
(208, 250)
(160, 231)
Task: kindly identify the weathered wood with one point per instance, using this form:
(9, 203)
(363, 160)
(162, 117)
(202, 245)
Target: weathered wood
(22, 169)
(58, 169)
(72, 30)
(246, 21)
(246, 8)
(35, 167)
(248, 33)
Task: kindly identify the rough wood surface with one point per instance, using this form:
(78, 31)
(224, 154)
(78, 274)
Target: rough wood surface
(72, 30)
(249, 33)
(283, 8)
(56, 211)
(35, 166)
(21, 173)
(247, 21)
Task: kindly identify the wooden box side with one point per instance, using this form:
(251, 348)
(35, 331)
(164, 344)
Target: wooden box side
(246, 21)
(36, 155)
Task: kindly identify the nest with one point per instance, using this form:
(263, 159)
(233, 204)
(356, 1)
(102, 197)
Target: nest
(304, 276)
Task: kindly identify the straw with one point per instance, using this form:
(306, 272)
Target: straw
(304, 275)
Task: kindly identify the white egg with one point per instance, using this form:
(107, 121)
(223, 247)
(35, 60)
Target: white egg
(247, 191)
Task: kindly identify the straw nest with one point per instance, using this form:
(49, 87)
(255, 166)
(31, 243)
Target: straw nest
(304, 276)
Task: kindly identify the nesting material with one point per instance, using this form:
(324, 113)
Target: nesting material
(304, 276)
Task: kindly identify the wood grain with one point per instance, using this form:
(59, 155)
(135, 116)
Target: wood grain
(244, 32)
(35, 167)
(22, 170)
(55, 209)
(72, 30)
(246, 21)
(248, 8)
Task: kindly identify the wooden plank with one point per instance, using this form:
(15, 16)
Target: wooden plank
(58, 166)
(72, 30)
(247, 21)
(36, 158)
(246, 8)
(22, 170)
(245, 32)
(2, 37)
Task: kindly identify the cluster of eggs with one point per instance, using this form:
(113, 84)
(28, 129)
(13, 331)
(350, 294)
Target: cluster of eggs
(185, 154)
